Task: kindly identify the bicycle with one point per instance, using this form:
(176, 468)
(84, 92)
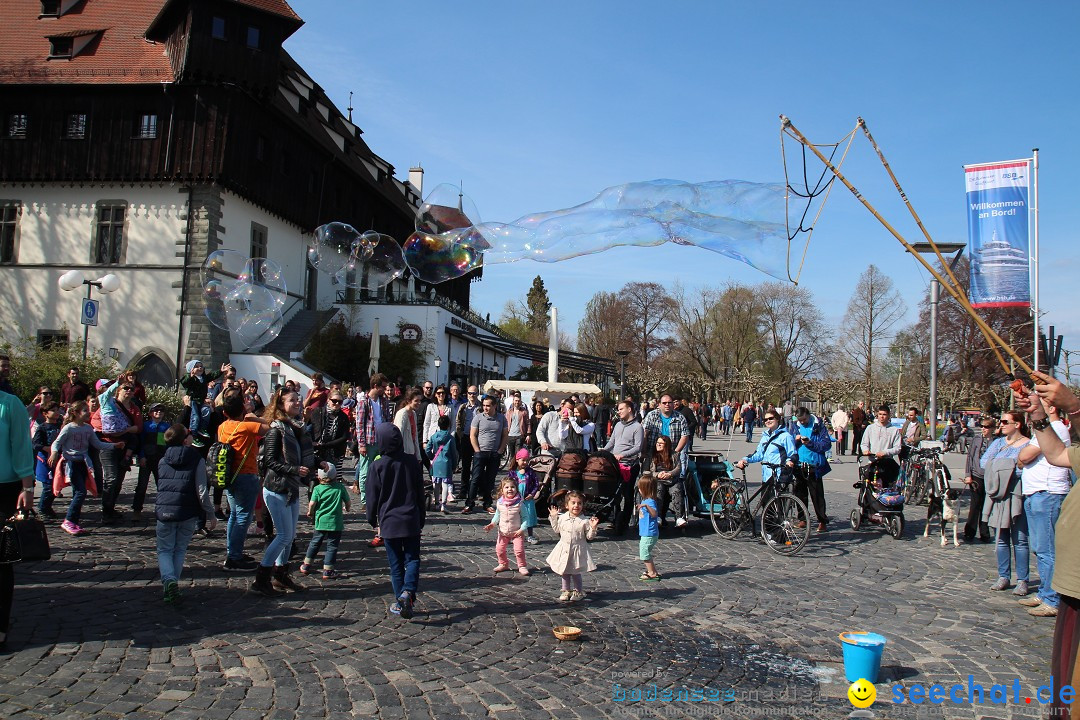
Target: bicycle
(922, 469)
(785, 521)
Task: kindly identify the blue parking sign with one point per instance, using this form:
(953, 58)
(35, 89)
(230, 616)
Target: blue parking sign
(89, 312)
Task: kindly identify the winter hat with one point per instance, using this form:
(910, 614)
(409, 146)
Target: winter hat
(191, 365)
(522, 454)
(330, 472)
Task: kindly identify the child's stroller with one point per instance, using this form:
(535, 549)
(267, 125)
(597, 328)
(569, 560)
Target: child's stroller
(877, 505)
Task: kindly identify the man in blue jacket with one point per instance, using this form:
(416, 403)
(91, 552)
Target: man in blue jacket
(813, 441)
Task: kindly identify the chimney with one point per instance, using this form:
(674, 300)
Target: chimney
(416, 179)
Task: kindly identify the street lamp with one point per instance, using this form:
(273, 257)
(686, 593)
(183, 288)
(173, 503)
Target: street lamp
(495, 370)
(935, 291)
(73, 279)
(622, 371)
(438, 364)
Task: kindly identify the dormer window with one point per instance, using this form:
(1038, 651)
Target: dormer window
(61, 47)
(217, 28)
(50, 8)
(75, 127)
(146, 127)
(17, 124)
(253, 37)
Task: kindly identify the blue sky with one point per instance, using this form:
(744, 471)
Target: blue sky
(539, 106)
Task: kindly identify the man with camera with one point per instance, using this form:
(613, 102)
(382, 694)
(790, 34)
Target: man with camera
(812, 441)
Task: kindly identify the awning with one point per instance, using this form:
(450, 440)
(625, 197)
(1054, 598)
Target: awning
(564, 388)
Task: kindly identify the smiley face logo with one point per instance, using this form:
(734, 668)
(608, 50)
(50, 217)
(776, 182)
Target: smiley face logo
(862, 693)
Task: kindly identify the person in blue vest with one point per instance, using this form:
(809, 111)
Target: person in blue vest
(813, 441)
(182, 501)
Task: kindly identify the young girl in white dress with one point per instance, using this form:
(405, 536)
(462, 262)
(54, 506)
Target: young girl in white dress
(570, 557)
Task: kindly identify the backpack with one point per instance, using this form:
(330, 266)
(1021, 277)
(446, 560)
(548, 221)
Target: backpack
(221, 461)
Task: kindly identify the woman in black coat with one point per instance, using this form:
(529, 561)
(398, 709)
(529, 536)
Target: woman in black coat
(287, 461)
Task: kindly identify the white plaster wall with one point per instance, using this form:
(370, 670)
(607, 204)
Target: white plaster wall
(57, 227)
(259, 367)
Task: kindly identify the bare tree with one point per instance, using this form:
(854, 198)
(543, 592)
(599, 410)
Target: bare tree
(875, 307)
(794, 333)
(606, 326)
(650, 310)
(716, 330)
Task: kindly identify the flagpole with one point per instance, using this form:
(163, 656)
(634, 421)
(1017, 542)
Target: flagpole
(1035, 255)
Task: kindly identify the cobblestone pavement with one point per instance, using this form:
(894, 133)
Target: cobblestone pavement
(92, 638)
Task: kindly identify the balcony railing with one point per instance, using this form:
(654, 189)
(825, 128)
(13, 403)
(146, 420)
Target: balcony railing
(365, 298)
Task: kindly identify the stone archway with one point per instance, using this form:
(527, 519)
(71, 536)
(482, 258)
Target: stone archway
(154, 368)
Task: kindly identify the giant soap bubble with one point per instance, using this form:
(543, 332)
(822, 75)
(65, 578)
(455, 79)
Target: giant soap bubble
(244, 296)
(743, 220)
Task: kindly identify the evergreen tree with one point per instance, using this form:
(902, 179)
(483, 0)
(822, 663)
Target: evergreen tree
(539, 305)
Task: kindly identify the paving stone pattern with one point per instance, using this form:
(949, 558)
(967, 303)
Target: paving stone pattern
(93, 639)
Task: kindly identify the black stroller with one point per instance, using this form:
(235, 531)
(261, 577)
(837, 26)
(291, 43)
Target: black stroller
(878, 505)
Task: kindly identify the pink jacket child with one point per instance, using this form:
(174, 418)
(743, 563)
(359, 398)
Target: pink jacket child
(508, 520)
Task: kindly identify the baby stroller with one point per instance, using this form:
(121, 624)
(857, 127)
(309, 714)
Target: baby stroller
(544, 467)
(877, 505)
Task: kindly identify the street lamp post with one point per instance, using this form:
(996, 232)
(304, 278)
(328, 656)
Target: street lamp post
(73, 279)
(935, 292)
(622, 370)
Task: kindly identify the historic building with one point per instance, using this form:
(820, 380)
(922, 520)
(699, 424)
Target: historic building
(140, 135)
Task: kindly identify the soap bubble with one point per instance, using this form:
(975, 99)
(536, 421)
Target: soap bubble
(244, 296)
(445, 256)
(268, 274)
(446, 208)
(742, 220)
(375, 261)
(330, 246)
(253, 314)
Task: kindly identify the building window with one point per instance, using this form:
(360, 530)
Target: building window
(146, 127)
(17, 124)
(260, 148)
(75, 127)
(253, 37)
(217, 29)
(109, 248)
(286, 163)
(258, 242)
(47, 339)
(60, 47)
(9, 226)
(50, 8)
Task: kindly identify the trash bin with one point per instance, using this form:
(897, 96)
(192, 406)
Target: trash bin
(862, 655)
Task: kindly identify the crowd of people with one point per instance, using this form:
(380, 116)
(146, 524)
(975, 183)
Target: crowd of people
(84, 440)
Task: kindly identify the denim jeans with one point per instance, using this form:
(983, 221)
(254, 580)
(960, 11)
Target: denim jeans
(749, 432)
(403, 555)
(1010, 541)
(332, 538)
(242, 494)
(485, 466)
(285, 515)
(200, 417)
(113, 469)
(77, 474)
(1041, 510)
(172, 545)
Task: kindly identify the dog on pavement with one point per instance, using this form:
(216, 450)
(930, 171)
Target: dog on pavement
(947, 508)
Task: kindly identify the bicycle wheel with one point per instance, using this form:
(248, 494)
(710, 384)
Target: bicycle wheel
(923, 496)
(785, 523)
(726, 510)
(911, 482)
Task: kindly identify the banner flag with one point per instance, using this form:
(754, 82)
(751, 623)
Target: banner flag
(998, 235)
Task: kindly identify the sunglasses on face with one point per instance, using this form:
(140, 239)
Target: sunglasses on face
(1006, 422)
(439, 392)
(472, 393)
(127, 387)
(987, 427)
(335, 400)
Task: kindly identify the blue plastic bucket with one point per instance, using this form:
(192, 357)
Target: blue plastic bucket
(862, 655)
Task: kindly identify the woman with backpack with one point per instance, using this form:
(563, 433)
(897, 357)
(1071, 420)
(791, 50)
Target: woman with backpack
(288, 461)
